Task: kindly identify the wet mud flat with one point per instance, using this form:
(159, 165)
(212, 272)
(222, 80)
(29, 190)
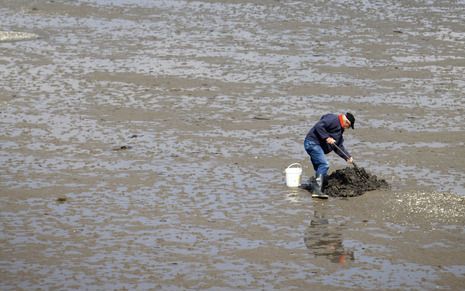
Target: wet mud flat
(143, 143)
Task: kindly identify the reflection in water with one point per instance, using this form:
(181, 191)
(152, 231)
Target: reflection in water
(293, 195)
(325, 239)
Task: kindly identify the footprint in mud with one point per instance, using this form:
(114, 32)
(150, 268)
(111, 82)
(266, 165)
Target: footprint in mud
(61, 199)
(122, 148)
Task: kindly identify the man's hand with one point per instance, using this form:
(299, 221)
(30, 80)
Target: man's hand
(330, 140)
(350, 160)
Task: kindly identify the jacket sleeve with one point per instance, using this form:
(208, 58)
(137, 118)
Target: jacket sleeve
(320, 130)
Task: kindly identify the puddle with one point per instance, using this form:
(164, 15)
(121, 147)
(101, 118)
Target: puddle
(6, 36)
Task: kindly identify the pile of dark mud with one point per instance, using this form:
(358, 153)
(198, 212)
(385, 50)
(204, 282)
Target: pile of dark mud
(352, 181)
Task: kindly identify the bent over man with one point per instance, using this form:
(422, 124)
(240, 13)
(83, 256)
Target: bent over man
(320, 140)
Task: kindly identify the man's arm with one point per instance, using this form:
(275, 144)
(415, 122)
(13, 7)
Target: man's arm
(320, 129)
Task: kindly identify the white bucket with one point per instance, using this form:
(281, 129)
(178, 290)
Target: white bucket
(293, 175)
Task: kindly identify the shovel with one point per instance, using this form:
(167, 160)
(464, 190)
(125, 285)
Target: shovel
(338, 148)
(360, 171)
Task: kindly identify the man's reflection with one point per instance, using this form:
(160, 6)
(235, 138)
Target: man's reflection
(325, 239)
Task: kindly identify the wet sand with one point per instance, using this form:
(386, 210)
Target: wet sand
(143, 144)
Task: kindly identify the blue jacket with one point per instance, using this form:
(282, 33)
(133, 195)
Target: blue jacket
(328, 126)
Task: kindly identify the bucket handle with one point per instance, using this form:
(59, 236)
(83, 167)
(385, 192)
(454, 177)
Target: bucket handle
(300, 166)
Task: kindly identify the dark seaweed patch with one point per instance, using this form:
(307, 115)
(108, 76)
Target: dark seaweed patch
(349, 182)
(352, 181)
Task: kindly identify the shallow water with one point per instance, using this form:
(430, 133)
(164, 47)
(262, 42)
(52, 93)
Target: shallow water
(167, 125)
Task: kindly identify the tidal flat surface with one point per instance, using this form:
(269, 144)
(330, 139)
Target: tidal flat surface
(143, 144)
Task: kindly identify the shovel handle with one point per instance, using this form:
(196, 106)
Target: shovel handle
(335, 145)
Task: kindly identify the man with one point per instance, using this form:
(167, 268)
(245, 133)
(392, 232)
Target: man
(324, 137)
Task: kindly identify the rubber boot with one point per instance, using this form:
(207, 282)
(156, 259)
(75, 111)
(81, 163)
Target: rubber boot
(318, 187)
